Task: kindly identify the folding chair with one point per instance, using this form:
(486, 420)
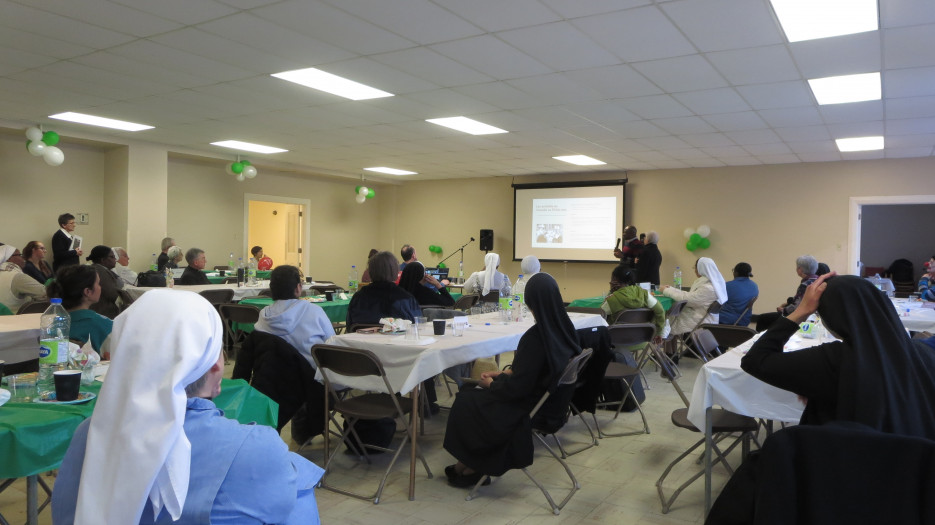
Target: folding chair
(561, 394)
(335, 362)
(670, 343)
(724, 423)
(586, 310)
(34, 307)
(465, 302)
(633, 316)
(747, 308)
(624, 337)
(236, 314)
(729, 336)
(125, 299)
(682, 341)
(218, 297)
(705, 344)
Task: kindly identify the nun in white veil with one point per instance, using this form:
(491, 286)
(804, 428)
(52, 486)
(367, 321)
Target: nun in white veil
(489, 279)
(707, 288)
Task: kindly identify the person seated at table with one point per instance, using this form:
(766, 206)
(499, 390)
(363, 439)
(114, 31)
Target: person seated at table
(626, 294)
(488, 429)
(488, 279)
(36, 267)
(301, 323)
(806, 267)
(382, 297)
(175, 256)
(822, 269)
(530, 266)
(739, 292)
(408, 253)
(263, 262)
(650, 259)
(164, 257)
(365, 278)
(103, 261)
(16, 288)
(122, 268)
(79, 287)
(157, 449)
(414, 281)
(193, 274)
(926, 287)
(707, 288)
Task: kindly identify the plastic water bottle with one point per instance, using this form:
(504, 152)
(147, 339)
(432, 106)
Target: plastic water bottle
(241, 273)
(170, 280)
(505, 297)
(352, 279)
(230, 262)
(154, 265)
(677, 278)
(54, 326)
(519, 299)
(251, 272)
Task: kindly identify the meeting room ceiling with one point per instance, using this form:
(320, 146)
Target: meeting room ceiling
(638, 84)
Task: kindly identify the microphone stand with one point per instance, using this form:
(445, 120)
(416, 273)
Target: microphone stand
(459, 250)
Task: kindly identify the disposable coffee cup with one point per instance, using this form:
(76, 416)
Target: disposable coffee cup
(222, 273)
(439, 325)
(2, 362)
(329, 296)
(67, 383)
(309, 280)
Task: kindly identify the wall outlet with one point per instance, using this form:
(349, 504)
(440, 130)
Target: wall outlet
(81, 218)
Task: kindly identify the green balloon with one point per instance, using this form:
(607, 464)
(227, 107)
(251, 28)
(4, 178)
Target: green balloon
(442, 265)
(438, 249)
(50, 138)
(371, 193)
(356, 190)
(237, 168)
(704, 244)
(245, 162)
(690, 246)
(695, 238)
(28, 142)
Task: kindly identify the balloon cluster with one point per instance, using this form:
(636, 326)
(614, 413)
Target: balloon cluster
(41, 144)
(698, 239)
(242, 169)
(363, 193)
(435, 249)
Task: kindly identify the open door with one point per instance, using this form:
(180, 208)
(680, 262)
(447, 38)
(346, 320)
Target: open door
(279, 226)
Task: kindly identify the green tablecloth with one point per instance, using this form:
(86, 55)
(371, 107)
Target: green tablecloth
(34, 437)
(335, 310)
(597, 301)
(217, 279)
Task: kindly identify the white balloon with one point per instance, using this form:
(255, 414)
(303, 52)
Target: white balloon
(240, 177)
(688, 232)
(363, 191)
(704, 230)
(53, 156)
(360, 198)
(34, 134)
(36, 148)
(227, 168)
(249, 172)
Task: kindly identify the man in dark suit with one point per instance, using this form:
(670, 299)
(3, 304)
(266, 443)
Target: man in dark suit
(65, 251)
(196, 262)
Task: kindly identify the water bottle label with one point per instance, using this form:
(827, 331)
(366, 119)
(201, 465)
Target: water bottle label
(505, 303)
(53, 351)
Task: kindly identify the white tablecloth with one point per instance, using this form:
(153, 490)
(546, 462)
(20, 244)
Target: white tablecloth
(19, 337)
(407, 365)
(915, 315)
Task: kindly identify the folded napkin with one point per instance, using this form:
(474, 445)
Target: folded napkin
(393, 324)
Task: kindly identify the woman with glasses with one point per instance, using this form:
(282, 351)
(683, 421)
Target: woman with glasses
(36, 267)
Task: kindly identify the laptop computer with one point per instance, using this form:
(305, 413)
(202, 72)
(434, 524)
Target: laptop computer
(438, 273)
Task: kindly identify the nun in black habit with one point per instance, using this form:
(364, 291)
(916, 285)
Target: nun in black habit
(489, 430)
(875, 376)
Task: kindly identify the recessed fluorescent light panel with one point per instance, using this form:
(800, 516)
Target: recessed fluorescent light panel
(466, 125)
(811, 19)
(580, 160)
(847, 88)
(91, 120)
(860, 144)
(340, 86)
(247, 146)
(390, 171)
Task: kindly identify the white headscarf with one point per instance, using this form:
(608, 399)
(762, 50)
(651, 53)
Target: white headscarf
(530, 266)
(491, 262)
(707, 268)
(6, 251)
(137, 449)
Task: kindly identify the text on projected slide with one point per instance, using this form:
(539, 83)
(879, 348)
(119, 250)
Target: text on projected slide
(574, 223)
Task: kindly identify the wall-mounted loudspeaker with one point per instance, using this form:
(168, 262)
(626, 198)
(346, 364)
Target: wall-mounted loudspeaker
(486, 240)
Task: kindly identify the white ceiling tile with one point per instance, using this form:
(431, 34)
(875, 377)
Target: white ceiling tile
(656, 106)
(636, 34)
(533, 118)
(820, 157)
(813, 146)
(14, 60)
(638, 129)
(912, 82)
(704, 23)
(706, 163)
(499, 94)
(39, 45)
(691, 154)
(902, 153)
(150, 52)
(853, 112)
(430, 25)
(374, 74)
(779, 95)
(753, 136)
(910, 126)
(132, 21)
(63, 28)
(427, 64)
(774, 148)
(778, 159)
(577, 9)
(740, 121)
(844, 55)
(129, 67)
(781, 118)
(493, 57)
(590, 132)
(896, 13)
(725, 151)
(618, 81)
(496, 15)
(740, 161)
(803, 133)
(554, 89)
(710, 101)
(441, 99)
(863, 155)
(909, 47)
(680, 125)
(707, 140)
(606, 112)
(910, 107)
(247, 4)
(911, 141)
(663, 143)
(183, 11)
(560, 46)
(756, 65)
(116, 86)
(686, 73)
(223, 50)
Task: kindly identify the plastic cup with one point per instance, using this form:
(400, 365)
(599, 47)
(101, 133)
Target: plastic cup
(22, 386)
(457, 329)
(439, 326)
(67, 384)
(412, 332)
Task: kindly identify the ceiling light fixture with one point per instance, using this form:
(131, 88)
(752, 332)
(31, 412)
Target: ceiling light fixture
(466, 125)
(812, 19)
(580, 160)
(860, 144)
(390, 171)
(323, 81)
(103, 122)
(248, 146)
(846, 88)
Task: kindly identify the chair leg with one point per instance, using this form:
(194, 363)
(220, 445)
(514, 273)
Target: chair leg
(720, 457)
(594, 441)
(639, 408)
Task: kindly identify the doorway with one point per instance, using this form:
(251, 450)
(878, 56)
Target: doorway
(902, 204)
(280, 225)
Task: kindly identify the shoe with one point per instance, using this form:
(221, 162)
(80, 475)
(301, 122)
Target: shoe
(466, 481)
(450, 472)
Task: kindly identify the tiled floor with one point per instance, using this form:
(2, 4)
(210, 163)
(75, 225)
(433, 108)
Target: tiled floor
(617, 478)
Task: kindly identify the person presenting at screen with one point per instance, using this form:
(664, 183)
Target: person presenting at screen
(631, 249)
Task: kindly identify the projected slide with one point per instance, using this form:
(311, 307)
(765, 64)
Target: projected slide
(574, 223)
